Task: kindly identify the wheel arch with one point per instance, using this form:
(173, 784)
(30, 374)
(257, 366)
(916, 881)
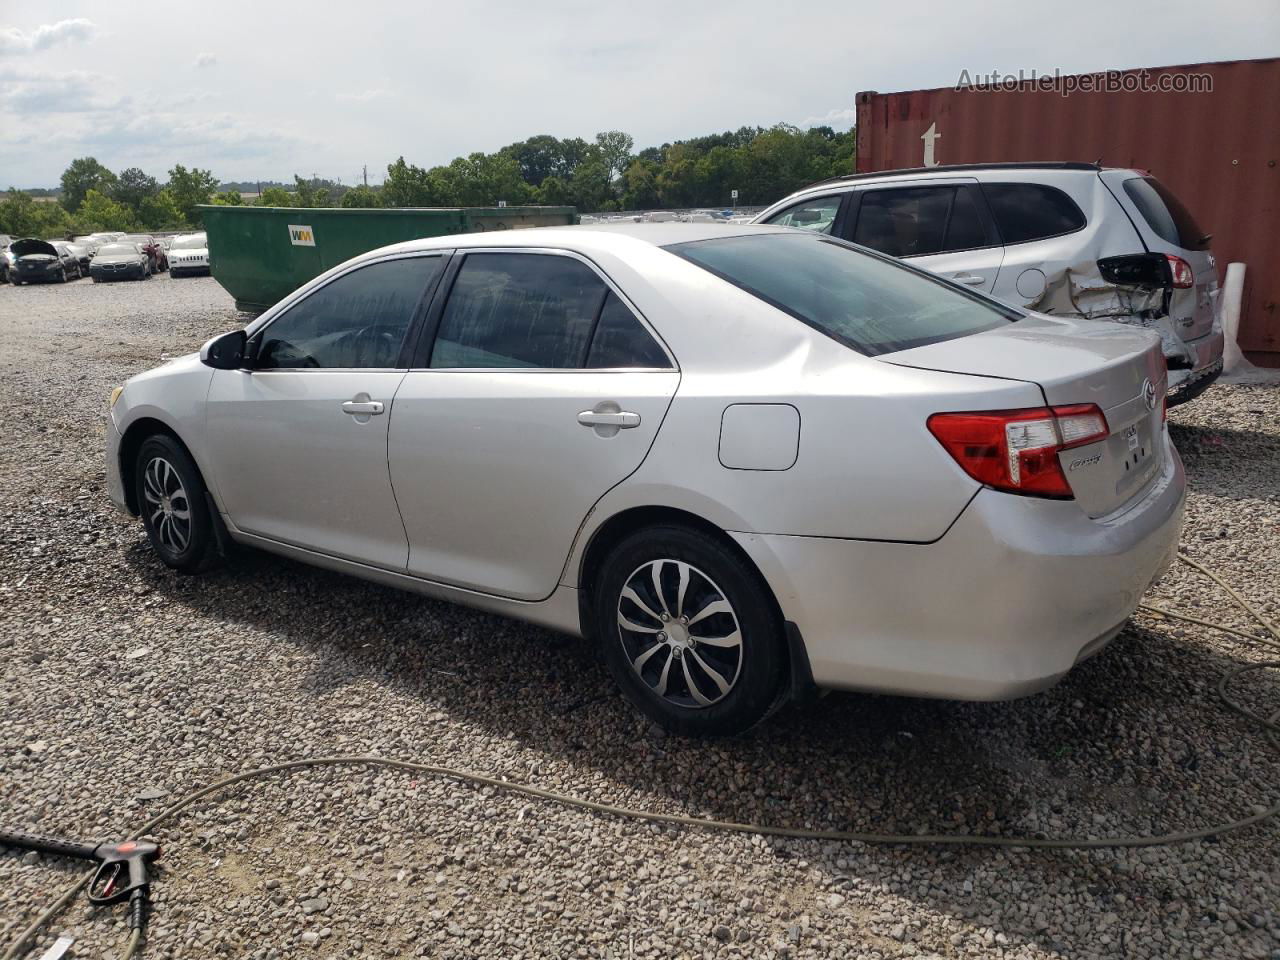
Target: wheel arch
(131, 442)
(611, 532)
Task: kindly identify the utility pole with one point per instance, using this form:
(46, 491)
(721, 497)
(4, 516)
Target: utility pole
(366, 176)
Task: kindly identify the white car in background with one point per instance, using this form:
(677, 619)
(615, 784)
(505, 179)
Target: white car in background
(1066, 239)
(189, 255)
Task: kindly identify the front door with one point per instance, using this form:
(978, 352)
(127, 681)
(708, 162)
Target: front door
(541, 391)
(299, 441)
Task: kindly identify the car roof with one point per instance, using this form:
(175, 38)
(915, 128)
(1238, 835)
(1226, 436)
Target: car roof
(592, 236)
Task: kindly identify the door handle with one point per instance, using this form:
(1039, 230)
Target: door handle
(970, 279)
(362, 408)
(623, 420)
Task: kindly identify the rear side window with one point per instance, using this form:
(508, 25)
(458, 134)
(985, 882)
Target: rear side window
(519, 310)
(818, 215)
(1031, 211)
(1165, 214)
(916, 221)
(621, 340)
(868, 303)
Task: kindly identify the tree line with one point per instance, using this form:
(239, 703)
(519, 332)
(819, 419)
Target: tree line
(603, 174)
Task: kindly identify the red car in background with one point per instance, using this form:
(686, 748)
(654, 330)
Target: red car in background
(156, 256)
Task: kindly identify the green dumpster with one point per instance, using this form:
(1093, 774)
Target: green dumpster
(262, 254)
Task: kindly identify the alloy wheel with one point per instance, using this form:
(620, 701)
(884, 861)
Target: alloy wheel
(680, 633)
(168, 508)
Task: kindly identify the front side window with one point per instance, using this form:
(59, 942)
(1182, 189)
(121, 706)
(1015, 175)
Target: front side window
(1031, 211)
(818, 215)
(357, 321)
(868, 303)
(518, 310)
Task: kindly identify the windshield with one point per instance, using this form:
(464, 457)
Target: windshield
(117, 249)
(866, 302)
(189, 243)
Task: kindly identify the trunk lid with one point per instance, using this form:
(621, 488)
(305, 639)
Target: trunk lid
(1120, 368)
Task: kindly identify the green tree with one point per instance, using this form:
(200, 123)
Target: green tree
(132, 187)
(161, 212)
(100, 212)
(310, 193)
(361, 196)
(553, 192)
(21, 216)
(228, 198)
(84, 174)
(276, 197)
(411, 186)
(615, 150)
(190, 188)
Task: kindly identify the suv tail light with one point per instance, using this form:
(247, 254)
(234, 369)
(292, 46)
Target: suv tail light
(1017, 450)
(1182, 275)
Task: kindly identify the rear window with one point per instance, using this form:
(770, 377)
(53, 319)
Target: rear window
(868, 303)
(1031, 211)
(1165, 214)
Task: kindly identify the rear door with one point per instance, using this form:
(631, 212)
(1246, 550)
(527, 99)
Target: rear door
(938, 225)
(1167, 227)
(538, 390)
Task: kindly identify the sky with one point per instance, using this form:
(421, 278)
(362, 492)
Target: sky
(268, 89)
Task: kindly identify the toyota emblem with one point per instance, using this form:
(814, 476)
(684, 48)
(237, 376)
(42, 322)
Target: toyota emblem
(1149, 393)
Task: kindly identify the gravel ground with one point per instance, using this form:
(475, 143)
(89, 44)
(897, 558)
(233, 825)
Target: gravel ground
(123, 681)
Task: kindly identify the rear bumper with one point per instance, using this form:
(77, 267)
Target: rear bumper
(1208, 361)
(1007, 601)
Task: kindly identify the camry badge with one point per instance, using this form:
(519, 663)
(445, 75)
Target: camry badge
(1149, 393)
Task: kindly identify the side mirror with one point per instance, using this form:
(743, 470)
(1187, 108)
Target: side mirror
(225, 352)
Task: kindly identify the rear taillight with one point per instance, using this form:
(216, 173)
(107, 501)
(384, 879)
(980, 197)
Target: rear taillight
(1182, 274)
(1017, 450)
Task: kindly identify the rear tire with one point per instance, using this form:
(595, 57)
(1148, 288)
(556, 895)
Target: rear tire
(689, 632)
(171, 499)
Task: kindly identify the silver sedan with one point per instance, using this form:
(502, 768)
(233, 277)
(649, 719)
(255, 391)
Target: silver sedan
(747, 461)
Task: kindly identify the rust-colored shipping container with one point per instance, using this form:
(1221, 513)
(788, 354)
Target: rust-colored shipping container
(1217, 149)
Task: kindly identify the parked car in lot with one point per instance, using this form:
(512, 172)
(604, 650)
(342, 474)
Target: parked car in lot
(189, 255)
(42, 261)
(1068, 239)
(744, 460)
(5, 260)
(155, 253)
(120, 261)
(82, 254)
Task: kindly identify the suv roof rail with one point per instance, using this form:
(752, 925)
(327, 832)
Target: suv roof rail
(947, 168)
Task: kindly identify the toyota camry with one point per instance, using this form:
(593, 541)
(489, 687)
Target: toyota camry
(746, 462)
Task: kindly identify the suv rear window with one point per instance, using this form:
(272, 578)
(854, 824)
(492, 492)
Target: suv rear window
(1165, 214)
(1031, 211)
(866, 302)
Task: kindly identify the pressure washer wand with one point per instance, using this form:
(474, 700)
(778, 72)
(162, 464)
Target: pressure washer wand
(124, 861)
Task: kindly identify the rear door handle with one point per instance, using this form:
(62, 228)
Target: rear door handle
(623, 420)
(970, 279)
(362, 408)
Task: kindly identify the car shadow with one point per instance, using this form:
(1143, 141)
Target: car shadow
(1099, 754)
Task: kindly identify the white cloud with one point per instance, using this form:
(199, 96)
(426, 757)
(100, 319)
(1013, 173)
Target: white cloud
(13, 40)
(29, 92)
(837, 119)
(364, 97)
(206, 60)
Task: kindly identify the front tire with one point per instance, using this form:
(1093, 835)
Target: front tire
(689, 632)
(171, 499)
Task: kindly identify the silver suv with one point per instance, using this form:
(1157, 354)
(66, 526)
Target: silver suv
(1067, 239)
